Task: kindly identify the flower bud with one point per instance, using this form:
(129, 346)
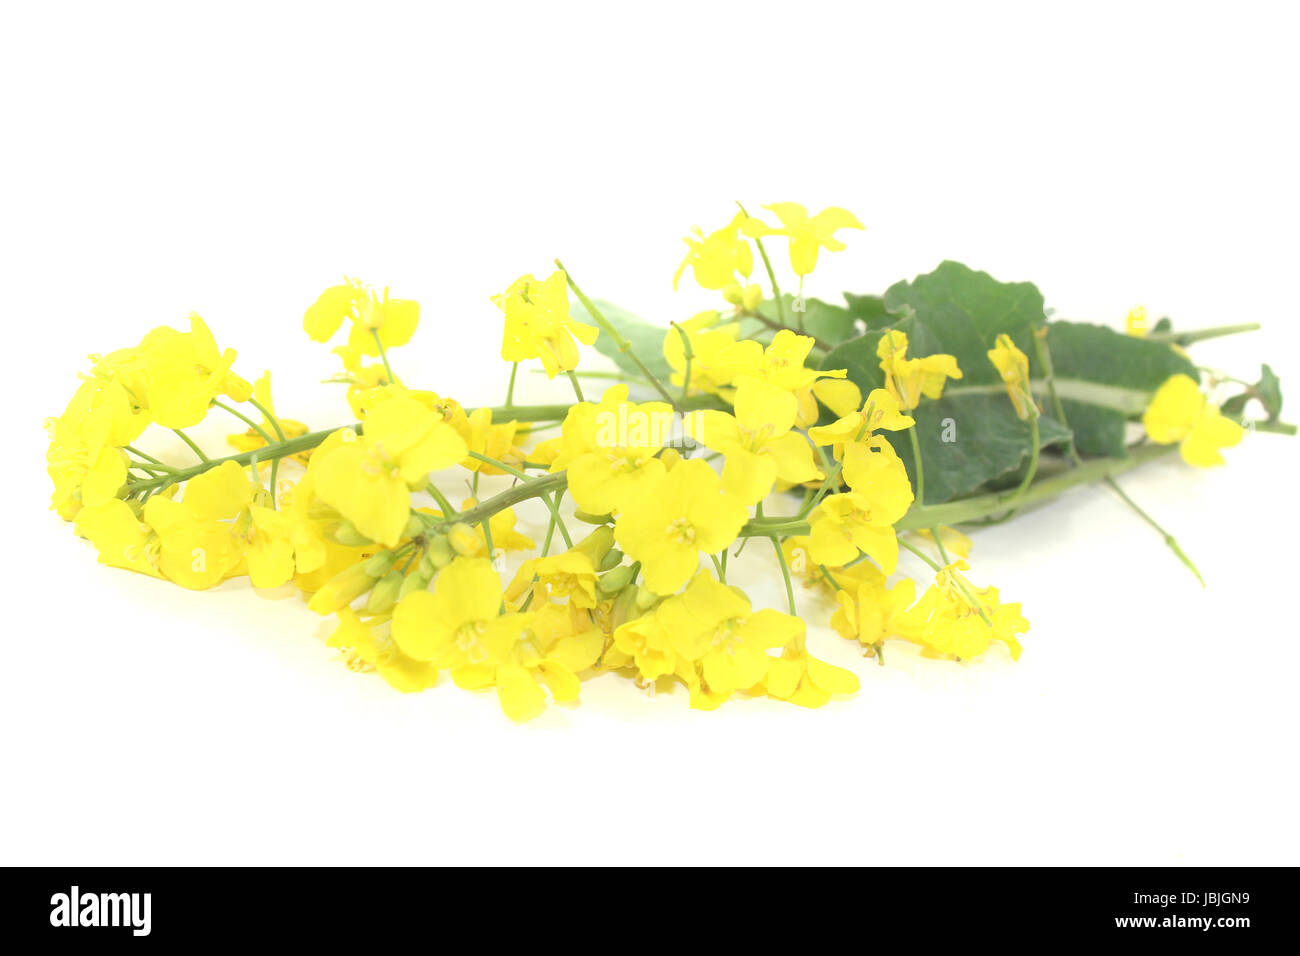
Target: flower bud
(645, 598)
(346, 534)
(378, 564)
(439, 553)
(612, 582)
(625, 608)
(417, 580)
(597, 544)
(463, 540)
(414, 526)
(611, 560)
(385, 592)
(589, 518)
(342, 589)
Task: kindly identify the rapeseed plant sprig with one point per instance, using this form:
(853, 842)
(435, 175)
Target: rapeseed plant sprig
(365, 529)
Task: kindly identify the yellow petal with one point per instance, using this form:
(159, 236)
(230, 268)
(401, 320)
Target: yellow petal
(519, 694)
(326, 314)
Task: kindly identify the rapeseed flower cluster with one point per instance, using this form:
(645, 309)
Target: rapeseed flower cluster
(671, 485)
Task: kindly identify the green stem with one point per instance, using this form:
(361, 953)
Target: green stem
(383, 355)
(524, 491)
(826, 573)
(275, 462)
(938, 543)
(154, 462)
(510, 389)
(810, 503)
(785, 572)
(771, 273)
(550, 534)
(1049, 373)
(920, 470)
(623, 344)
(267, 414)
(1033, 463)
(934, 565)
(193, 447)
(266, 436)
(577, 388)
(978, 507)
(966, 592)
(302, 443)
(553, 505)
(293, 446)
(153, 469)
(1045, 359)
(447, 510)
(1277, 428)
(773, 324)
(1169, 538)
(690, 357)
(1200, 335)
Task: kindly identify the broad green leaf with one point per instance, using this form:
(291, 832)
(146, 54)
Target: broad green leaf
(646, 339)
(961, 311)
(972, 440)
(1103, 378)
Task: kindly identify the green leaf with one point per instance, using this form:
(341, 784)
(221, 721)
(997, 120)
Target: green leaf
(822, 320)
(972, 441)
(870, 310)
(1103, 377)
(969, 438)
(646, 340)
(1268, 390)
(961, 311)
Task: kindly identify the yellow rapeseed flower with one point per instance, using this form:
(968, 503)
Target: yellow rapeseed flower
(1013, 365)
(184, 372)
(758, 442)
(863, 518)
(810, 234)
(371, 641)
(720, 259)
(682, 513)
(910, 378)
(1179, 412)
(393, 321)
(197, 543)
(85, 458)
(717, 356)
(954, 626)
(714, 627)
(609, 449)
(880, 411)
(368, 478)
(459, 626)
(805, 680)
(538, 323)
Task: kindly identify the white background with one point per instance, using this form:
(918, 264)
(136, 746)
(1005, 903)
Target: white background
(237, 159)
